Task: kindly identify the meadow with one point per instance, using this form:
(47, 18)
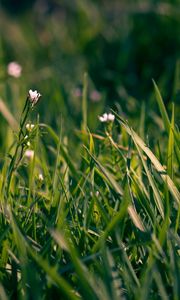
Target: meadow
(89, 151)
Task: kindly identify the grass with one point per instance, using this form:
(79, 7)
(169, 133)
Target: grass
(90, 210)
(103, 222)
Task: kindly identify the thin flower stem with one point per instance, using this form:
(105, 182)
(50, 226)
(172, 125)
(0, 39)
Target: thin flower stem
(23, 119)
(13, 165)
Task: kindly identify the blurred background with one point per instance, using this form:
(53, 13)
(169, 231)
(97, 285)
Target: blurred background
(121, 44)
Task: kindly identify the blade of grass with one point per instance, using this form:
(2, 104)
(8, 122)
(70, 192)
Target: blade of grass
(112, 278)
(114, 221)
(157, 195)
(8, 116)
(88, 287)
(164, 114)
(170, 153)
(3, 295)
(84, 102)
(107, 174)
(162, 108)
(63, 152)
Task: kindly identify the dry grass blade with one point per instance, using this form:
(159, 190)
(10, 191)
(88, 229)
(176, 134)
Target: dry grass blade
(8, 116)
(160, 169)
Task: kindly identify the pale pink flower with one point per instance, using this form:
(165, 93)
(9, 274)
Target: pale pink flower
(14, 69)
(95, 96)
(33, 97)
(77, 92)
(29, 153)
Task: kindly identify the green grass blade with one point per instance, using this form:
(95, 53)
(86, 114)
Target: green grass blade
(84, 102)
(107, 174)
(162, 108)
(160, 285)
(111, 276)
(170, 153)
(88, 287)
(164, 114)
(114, 221)
(64, 153)
(63, 285)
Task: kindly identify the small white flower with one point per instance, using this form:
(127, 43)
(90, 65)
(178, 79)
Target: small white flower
(29, 153)
(104, 118)
(107, 117)
(40, 177)
(26, 140)
(29, 127)
(14, 69)
(111, 117)
(97, 193)
(33, 97)
(77, 92)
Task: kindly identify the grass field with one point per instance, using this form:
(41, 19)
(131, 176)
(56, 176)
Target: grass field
(89, 206)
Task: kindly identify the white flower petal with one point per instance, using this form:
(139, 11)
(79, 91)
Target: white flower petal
(33, 97)
(29, 127)
(40, 177)
(107, 117)
(111, 117)
(101, 118)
